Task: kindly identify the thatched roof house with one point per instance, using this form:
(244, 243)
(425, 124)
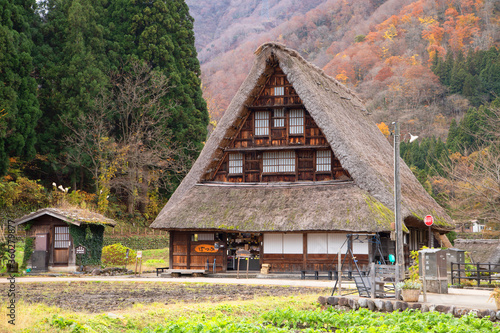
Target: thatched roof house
(356, 197)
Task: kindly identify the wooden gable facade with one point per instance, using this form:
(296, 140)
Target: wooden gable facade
(278, 141)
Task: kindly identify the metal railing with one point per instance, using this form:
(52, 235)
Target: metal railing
(476, 272)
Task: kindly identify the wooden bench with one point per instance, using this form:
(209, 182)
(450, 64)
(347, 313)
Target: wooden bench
(161, 270)
(179, 272)
(317, 275)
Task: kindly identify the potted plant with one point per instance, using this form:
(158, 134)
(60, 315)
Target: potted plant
(410, 290)
(495, 294)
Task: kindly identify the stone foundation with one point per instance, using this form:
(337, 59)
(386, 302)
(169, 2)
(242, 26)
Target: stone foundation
(383, 305)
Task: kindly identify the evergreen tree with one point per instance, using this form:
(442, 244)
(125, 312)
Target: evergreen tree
(471, 88)
(490, 79)
(451, 141)
(86, 41)
(72, 71)
(19, 109)
(161, 33)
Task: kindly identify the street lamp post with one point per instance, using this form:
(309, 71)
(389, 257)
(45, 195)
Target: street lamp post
(397, 208)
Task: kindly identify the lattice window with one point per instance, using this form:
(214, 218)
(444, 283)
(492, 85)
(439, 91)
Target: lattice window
(61, 238)
(279, 91)
(323, 160)
(262, 123)
(206, 237)
(296, 121)
(279, 118)
(282, 161)
(236, 163)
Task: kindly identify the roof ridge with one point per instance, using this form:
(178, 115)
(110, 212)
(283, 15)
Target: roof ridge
(297, 55)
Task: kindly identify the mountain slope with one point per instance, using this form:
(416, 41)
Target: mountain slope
(383, 49)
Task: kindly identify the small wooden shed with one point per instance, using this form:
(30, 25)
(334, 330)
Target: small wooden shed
(53, 234)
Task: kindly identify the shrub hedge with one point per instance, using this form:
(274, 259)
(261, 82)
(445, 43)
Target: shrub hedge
(138, 242)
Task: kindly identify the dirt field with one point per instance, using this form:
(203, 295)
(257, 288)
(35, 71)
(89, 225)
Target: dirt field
(98, 297)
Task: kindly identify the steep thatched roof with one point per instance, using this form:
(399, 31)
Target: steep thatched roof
(481, 250)
(75, 216)
(354, 138)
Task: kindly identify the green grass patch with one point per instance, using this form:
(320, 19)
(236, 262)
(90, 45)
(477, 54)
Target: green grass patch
(264, 314)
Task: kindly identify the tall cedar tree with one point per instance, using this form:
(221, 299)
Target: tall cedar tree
(161, 33)
(86, 40)
(19, 109)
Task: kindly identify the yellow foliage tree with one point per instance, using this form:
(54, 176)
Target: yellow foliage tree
(384, 129)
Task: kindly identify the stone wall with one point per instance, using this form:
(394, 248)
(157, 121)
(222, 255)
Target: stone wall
(384, 305)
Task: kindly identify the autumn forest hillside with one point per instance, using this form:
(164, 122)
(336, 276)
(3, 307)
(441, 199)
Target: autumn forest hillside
(432, 65)
(383, 49)
(105, 104)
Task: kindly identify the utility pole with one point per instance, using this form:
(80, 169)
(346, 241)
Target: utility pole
(397, 208)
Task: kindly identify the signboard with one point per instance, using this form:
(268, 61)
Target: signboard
(241, 253)
(80, 250)
(428, 220)
(205, 248)
(139, 254)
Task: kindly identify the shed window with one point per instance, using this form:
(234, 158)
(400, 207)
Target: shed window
(324, 160)
(296, 121)
(236, 163)
(282, 161)
(279, 91)
(262, 123)
(61, 238)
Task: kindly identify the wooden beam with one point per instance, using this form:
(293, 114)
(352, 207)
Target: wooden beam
(267, 107)
(266, 148)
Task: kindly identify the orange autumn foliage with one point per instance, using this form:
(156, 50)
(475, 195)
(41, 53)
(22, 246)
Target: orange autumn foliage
(384, 129)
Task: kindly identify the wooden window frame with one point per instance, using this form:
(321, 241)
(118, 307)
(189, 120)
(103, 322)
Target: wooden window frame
(292, 125)
(279, 118)
(266, 129)
(231, 158)
(321, 161)
(278, 157)
(59, 238)
(279, 91)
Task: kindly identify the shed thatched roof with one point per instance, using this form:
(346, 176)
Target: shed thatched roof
(355, 140)
(76, 216)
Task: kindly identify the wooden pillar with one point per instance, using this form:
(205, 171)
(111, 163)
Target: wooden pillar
(304, 251)
(171, 249)
(188, 251)
(261, 249)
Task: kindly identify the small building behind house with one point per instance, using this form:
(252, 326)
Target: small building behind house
(53, 234)
(473, 226)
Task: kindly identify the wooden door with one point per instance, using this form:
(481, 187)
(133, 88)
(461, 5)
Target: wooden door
(61, 245)
(180, 253)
